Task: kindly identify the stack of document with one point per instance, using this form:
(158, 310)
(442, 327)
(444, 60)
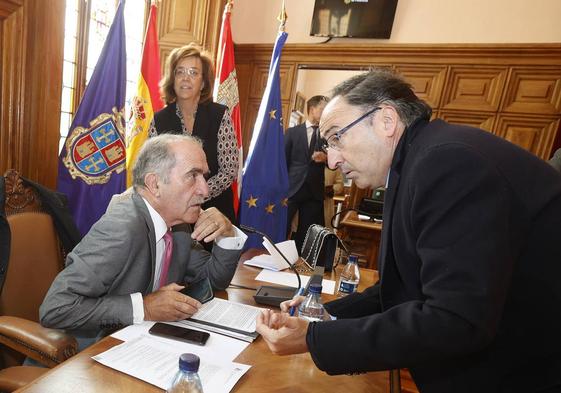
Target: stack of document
(156, 361)
(227, 318)
(274, 260)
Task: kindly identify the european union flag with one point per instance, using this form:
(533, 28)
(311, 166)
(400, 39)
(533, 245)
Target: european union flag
(91, 166)
(263, 202)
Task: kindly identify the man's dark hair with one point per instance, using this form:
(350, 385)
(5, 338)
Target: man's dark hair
(383, 86)
(315, 101)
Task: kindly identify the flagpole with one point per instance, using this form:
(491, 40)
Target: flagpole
(282, 18)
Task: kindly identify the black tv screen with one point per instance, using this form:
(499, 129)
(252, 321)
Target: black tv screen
(353, 18)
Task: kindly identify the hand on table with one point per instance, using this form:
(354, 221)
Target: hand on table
(168, 304)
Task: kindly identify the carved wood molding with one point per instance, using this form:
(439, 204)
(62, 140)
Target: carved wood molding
(500, 88)
(12, 84)
(8, 7)
(19, 198)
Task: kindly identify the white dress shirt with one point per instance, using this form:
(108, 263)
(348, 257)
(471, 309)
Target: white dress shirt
(160, 228)
(309, 131)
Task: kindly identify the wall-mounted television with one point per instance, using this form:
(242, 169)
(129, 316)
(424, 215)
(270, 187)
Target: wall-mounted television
(353, 18)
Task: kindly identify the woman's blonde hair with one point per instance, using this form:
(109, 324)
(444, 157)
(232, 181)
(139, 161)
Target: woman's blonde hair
(191, 50)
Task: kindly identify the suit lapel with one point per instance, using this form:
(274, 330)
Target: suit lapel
(151, 237)
(386, 260)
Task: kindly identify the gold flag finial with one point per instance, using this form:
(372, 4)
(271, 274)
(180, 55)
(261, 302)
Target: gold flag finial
(229, 6)
(282, 17)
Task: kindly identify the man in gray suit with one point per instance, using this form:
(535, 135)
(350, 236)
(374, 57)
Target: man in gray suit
(123, 271)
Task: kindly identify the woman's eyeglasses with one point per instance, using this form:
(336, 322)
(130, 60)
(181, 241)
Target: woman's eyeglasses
(334, 141)
(186, 72)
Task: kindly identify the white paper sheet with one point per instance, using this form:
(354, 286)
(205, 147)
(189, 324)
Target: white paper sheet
(217, 348)
(156, 362)
(266, 261)
(228, 314)
(274, 260)
(289, 279)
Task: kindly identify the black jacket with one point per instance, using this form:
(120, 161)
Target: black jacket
(301, 167)
(207, 123)
(470, 265)
(56, 205)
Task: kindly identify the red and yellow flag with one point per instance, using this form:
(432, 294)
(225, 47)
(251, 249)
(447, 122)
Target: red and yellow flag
(147, 100)
(226, 90)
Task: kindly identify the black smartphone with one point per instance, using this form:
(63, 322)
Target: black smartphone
(179, 333)
(200, 290)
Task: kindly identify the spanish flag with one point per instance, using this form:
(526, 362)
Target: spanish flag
(226, 91)
(148, 100)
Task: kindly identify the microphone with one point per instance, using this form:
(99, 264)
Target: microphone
(270, 295)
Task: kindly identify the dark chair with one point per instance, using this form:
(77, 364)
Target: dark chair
(34, 258)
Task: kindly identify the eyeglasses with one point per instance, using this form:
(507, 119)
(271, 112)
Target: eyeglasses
(186, 72)
(334, 141)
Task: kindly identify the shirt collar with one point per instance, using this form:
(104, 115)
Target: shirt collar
(309, 124)
(160, 227)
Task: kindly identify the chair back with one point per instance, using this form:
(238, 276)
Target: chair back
(35, 256)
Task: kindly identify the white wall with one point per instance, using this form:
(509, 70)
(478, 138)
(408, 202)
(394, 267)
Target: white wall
(416, 21)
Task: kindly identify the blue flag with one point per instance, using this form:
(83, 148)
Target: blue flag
(263, 201)
(91, 167)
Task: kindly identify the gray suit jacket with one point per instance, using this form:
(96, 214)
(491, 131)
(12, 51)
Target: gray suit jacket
(117, 258)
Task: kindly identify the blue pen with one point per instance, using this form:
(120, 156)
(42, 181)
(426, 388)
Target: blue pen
(300, 292)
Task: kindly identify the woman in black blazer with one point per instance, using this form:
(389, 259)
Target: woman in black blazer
(187, 88)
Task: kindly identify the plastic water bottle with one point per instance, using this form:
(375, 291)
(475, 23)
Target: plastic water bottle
(350, 276)
(187, 378)
(311, 309)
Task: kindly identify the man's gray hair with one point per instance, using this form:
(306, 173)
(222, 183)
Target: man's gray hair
(383, 86)
(157, 157)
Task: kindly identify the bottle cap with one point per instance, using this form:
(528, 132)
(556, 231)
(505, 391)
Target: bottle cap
(189, 362)
(315, 288)
(353, 258)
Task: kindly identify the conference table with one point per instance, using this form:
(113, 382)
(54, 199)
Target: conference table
(268, 372)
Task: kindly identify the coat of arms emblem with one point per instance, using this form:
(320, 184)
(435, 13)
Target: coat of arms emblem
(94, 153)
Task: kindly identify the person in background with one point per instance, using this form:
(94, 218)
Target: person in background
(186, 88)
(130, 267)
(470, 264)
(306, 164)
(333, 186)
(555, 161)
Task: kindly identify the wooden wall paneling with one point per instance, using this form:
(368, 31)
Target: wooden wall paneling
(484, 121)
(32, 52)
(468, 84)
(427, 81)
(534, 90)
(535, 134)
(13, 62)
(475, 88)
(43, 74)
(259, 80)
(183, 21)
(252, 111)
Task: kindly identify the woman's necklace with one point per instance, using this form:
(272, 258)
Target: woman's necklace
(189, 118)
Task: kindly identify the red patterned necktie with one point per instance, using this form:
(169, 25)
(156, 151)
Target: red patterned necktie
(166, 259)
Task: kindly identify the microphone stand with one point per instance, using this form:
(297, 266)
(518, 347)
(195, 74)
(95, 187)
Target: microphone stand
(274, 295)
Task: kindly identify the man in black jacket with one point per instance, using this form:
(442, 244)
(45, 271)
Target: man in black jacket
(306, 165)
(470, 256)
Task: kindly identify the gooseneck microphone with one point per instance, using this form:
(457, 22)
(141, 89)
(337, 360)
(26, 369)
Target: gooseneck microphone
(274, 295)
(253, 230)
